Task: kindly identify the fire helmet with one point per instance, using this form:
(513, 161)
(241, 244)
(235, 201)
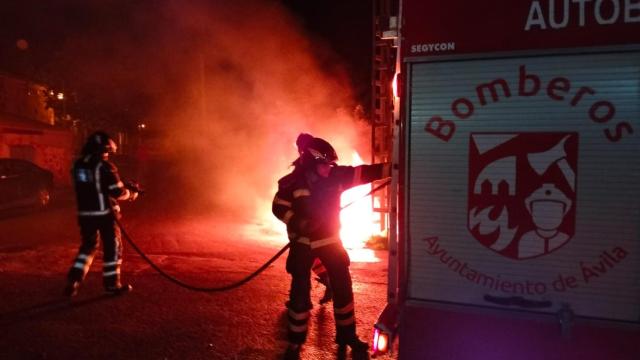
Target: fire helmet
(99, 143)
(315, 150)
(303, 141)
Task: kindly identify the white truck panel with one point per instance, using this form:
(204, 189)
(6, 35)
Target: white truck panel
(523, 183)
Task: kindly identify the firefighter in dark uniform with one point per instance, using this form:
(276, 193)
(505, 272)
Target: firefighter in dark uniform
(98, 189)
(322, 276)
(308, 201)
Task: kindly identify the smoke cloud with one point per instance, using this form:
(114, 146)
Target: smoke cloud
(253, 84)
(231, 85)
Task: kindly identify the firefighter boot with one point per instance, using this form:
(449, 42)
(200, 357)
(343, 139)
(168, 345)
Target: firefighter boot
(293, 352)
(359, 349)
(72, 288)
(118, 290)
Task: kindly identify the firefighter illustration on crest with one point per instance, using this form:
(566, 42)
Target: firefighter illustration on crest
(522, 191)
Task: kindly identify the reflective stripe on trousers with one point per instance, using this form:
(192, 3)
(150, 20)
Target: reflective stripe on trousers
(298, 325)
(90, 227)
(336, 261)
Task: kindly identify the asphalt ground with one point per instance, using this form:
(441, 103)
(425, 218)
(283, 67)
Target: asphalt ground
(160, 320)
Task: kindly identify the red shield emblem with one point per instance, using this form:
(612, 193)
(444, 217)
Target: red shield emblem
(522, 191)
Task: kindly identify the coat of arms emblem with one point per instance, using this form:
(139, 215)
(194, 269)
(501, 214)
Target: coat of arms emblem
(522, 191)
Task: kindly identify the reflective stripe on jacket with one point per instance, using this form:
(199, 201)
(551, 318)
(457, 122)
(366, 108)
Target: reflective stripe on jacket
(310, 205)
(97, 186)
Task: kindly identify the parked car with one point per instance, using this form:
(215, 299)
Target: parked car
(23, 183)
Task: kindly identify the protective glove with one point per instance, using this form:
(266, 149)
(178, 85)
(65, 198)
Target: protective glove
(133, 195)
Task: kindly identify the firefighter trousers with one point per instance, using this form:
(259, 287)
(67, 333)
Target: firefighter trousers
(336, 261)
(106, 227)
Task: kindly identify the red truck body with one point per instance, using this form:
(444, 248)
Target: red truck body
(516, 196)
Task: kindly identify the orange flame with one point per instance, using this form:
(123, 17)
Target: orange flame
(358, 221)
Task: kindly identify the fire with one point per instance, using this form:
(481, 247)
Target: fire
(358, 221)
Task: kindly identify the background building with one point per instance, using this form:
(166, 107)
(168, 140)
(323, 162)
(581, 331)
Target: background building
(28, 131)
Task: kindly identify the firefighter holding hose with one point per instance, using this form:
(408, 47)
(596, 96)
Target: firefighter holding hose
(98, 188)
(308, 201)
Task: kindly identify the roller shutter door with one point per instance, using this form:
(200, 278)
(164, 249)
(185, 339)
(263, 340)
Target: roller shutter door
(523, 186)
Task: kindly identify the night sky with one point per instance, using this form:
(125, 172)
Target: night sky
(339, 30)
(347, 27)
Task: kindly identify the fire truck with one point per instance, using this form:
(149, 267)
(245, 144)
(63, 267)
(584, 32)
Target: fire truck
(514, 207)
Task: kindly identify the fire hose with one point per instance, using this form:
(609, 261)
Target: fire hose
(232, 285)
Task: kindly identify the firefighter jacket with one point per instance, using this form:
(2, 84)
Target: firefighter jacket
(98, 186)
(310, 204)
